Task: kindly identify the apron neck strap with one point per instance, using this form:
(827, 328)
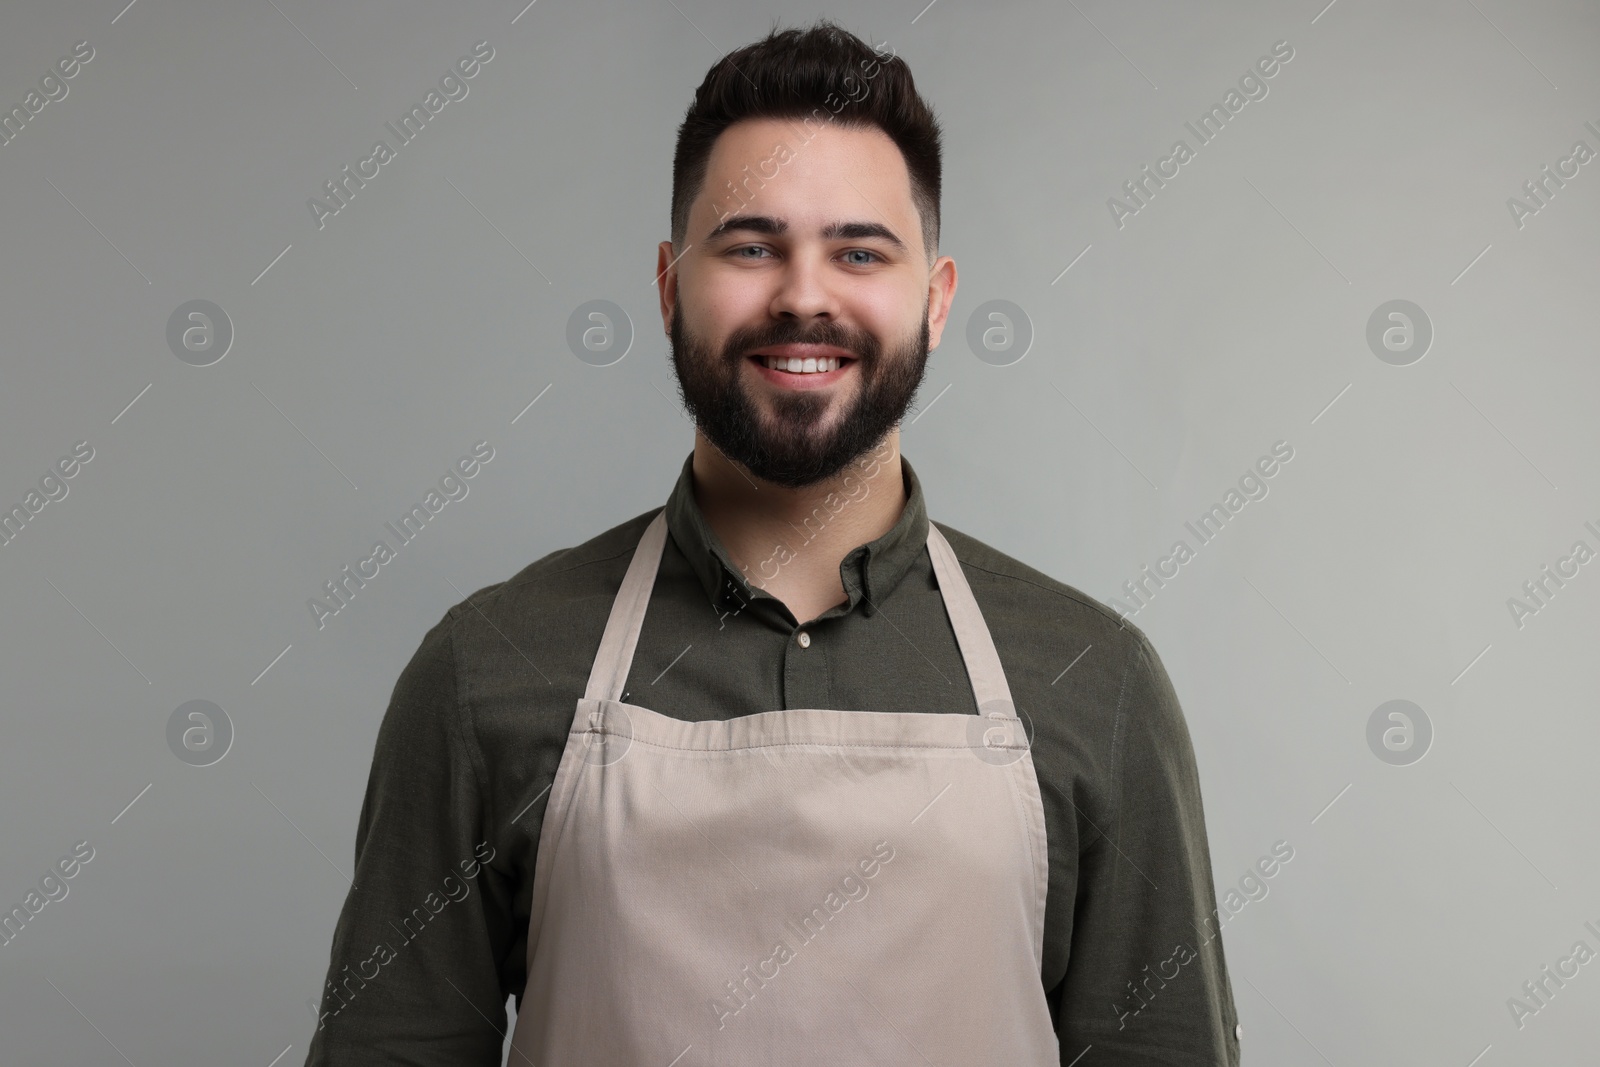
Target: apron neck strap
(972, 633)
(609, 674)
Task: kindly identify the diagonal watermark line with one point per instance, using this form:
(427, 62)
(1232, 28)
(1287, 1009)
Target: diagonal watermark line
(281, 1055)
(308, 440)
(1108, 440)
(1513, 44)
(910, 642)
(674, 263)
(702, 833)
(930, 404)
(103, 237)
(274, 263)
(881, 213)
(669, 666)
(301, 832)
(932, 802)
(1286, 1019)
(886, 1019)
(131, 803)
(1474, 263)
(1297, 630)
(1324, 11)
(1107, 838)
(678, 406)
(90, 1021)
(124, 11)
(524, 11)
(531, 803)
(132, 402)
(1113, 44)
(1069, 666)
(313, 44)
(1503, 437)
(97, 629)
(273, 664)
(712, 43)
(532, 402)
(1468, 667)
(1330, 403)
(467, 600)
(1330, 804)
(1503, 837)
(486, 1019)
(1297, 229)
(1074, 263)
(501, 232)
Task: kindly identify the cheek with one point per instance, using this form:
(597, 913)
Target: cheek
(717, 309)
(889, 315)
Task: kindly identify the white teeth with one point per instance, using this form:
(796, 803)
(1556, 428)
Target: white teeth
(796, 365)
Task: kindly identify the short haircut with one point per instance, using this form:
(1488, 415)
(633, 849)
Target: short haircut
(805, 74)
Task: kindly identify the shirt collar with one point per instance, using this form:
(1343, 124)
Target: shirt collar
(869, 572)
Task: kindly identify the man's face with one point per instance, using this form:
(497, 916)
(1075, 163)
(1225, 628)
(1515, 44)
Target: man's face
(822, 260)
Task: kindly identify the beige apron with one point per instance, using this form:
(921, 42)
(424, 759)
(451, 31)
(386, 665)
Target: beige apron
(803, 886)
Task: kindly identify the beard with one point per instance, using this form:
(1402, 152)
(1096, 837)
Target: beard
(788, 444)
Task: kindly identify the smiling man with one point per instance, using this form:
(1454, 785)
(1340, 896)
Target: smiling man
(784, 771)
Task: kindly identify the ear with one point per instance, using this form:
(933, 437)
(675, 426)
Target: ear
(666, 283)
(941, 293)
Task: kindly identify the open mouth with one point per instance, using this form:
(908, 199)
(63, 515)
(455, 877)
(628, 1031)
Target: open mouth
(798, 367)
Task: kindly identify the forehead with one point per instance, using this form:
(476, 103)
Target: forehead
(807, 172)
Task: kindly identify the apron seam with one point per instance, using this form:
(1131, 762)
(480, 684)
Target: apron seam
(635, 739)
(1117, 746)
(463, 725)
(551, 835)
(1036, 859)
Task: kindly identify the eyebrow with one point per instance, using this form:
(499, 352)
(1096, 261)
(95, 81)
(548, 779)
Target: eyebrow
(834, 231)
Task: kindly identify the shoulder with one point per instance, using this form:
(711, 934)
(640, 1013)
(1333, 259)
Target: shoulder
(549, 592)
(1043, 626)
(1118, 701)
(1020, 593)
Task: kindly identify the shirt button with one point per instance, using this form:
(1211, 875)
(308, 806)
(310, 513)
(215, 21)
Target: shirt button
(804, 639)
(1238, 1030)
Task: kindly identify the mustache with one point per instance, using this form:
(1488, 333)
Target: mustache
(860, 344)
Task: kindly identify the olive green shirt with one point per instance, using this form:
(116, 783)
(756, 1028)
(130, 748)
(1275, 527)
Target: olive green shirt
(432, 938)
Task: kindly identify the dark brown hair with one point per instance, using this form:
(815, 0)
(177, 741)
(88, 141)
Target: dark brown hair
(822, 74)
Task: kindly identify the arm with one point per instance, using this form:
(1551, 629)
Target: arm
(412, 977)
(1147, 984)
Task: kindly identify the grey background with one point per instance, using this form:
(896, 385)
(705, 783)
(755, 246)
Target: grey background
(1228, 314)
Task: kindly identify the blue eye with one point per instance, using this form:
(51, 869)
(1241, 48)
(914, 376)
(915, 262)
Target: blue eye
(740, 251)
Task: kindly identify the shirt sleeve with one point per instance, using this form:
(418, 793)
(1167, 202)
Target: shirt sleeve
(1147, 983)
(412, 977)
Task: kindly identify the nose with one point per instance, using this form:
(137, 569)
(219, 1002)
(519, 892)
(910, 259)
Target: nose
(804, 290)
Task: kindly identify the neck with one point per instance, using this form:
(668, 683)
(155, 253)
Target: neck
(789, 542)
